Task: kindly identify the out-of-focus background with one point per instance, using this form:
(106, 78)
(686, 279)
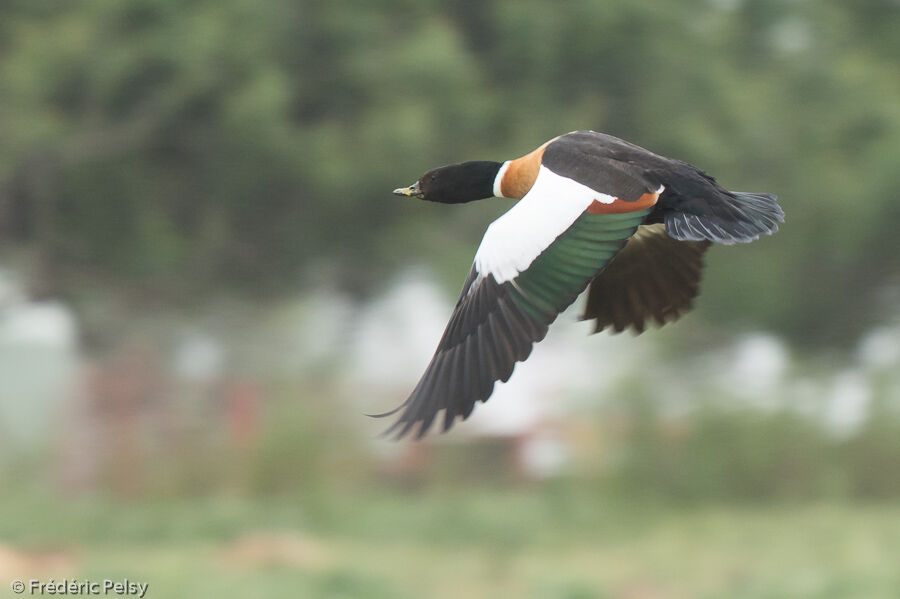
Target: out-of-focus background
(205, 283)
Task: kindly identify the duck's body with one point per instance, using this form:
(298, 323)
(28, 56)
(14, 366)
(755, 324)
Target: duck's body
(593, 210)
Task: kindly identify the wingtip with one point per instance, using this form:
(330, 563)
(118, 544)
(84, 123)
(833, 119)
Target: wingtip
(386, 414)
(403, 427)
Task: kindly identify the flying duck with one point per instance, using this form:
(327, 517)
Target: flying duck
(595, 212)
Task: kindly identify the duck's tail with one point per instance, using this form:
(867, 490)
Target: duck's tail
(739, 217)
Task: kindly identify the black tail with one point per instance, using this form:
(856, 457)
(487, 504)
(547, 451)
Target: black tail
(738, 217)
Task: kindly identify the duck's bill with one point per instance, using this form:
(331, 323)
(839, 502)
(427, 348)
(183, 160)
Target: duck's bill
(411, 191)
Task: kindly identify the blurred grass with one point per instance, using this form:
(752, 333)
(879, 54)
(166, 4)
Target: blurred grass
(556, 540)
(731, 503)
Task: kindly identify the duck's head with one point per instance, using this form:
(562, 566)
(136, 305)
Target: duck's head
(455, 184)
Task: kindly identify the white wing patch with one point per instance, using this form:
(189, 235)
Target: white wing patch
(513, 241)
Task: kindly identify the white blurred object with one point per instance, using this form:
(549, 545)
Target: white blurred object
(199, 357)
(758, 366)
(543, 455)
(38, 355)
(848, 403)
(398, 333)
(46, 323)
(880, 348)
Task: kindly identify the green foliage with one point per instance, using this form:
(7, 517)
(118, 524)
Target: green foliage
(713, 453)
(182, 149)
(732, 454)
(746, 455)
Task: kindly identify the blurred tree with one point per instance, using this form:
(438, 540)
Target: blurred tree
(168, 151)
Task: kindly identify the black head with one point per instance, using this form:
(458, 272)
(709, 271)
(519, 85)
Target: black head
(455, 184)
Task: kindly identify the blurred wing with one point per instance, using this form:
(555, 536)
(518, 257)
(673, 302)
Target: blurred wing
(532, 264)
(653, 277)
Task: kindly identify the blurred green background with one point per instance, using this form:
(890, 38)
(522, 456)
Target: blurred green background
(205, 283)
